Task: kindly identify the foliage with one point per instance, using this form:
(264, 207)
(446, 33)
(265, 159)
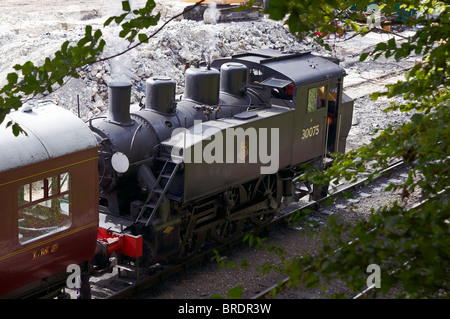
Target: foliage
(143, 20)
(411, 245)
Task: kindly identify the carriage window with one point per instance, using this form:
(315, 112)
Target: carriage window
(45, 207)
(316, 98)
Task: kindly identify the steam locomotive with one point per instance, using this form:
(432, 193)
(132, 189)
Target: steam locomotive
(153, 181)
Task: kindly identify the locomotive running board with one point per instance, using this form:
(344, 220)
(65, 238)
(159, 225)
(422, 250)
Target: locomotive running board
(167, 174)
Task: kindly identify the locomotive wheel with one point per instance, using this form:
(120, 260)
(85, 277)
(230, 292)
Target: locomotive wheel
(263, 218)
(319, 191)
(190, 246)
(265, 190)
(227, 230)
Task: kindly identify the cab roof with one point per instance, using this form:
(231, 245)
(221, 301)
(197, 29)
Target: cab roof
(302, 68)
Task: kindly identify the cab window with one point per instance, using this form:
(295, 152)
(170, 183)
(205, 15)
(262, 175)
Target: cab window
(255, 75)
(333, 95)
(316, 98)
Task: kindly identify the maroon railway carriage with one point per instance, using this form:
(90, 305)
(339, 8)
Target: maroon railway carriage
(48, 200)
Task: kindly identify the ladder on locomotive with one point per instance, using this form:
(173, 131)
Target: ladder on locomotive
(165, 176)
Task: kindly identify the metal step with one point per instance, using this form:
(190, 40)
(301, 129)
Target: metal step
(168, 173)
(130, 271)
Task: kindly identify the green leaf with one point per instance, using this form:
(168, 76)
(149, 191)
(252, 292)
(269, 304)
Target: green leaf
(27, 67)
(392, 222)
(391, 44)
(98, 34)
(277, 9)
(126, 6)
(120, 18)
(363, 56)
(88, 31)
(16, 129)
(108, 21)
(416, 118)
(235, 293)
(381, 46)
(312, 281)
(375, 96)
(123, 33)
(12, 78)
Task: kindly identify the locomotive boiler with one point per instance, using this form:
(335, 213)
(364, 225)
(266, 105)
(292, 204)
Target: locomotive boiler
(178, 171)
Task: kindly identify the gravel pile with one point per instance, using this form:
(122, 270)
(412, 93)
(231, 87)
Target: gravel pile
(38, 30)
(179, 44)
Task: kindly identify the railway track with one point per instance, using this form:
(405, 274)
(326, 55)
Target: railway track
(125, 284)
(369, 292)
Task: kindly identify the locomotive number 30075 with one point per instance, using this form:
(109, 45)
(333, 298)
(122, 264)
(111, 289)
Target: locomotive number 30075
(310, 132)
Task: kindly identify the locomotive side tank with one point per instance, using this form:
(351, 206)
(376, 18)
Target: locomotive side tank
(286, 124)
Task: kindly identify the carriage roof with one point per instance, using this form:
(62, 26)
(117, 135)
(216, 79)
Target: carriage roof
(50, 131)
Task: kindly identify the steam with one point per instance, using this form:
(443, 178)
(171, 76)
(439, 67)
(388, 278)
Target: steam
(211, 14)
(210, 52)
(120, 67)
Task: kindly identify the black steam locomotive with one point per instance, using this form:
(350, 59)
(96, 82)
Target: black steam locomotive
(173, 173)
(176, 172)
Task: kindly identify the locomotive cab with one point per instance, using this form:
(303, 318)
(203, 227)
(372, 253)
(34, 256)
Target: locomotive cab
(309, 84)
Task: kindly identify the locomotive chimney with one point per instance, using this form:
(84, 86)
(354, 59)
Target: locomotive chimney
(119, 94)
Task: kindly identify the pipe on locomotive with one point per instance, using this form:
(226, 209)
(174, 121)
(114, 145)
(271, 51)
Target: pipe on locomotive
(204, 86)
